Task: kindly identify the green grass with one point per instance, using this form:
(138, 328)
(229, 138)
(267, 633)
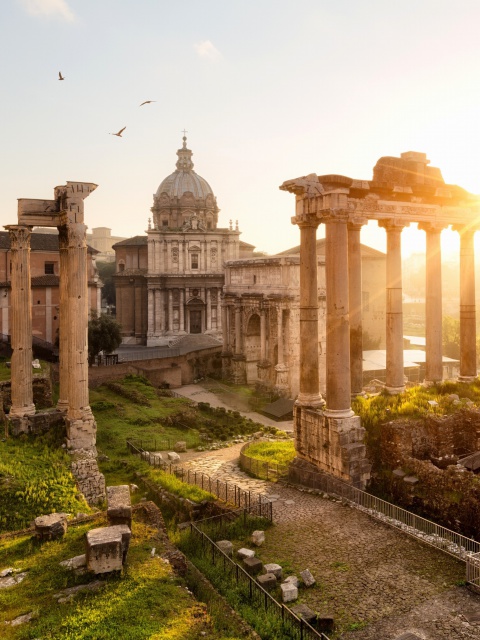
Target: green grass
(145, 601)
(5, 372)
(274, 452)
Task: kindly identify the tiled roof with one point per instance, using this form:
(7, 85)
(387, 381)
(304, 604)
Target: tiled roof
(135, 241)
(38, 242)
(45, 281)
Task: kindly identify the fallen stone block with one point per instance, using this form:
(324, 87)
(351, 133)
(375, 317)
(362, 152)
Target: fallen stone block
(105, 549)
(173, 456)
(289, 592)
(51, 527)
(226, 546)
(258, 538)
(308, 579)
(75, 563)
(325, 623)
(119, 506)
(180, 446)
(291, 580)
(305, 613)
(253, 566)
(267, 581)
(12, 579)
(20, 619)
(68, 594)
(245, 553)
(276, 569)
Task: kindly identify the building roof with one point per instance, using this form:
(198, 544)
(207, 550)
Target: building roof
(136, 241)
(38, 242)
(365, 250)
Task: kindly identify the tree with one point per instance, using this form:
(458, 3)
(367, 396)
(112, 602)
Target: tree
(104, 334)
(451, 337)
(106, 270)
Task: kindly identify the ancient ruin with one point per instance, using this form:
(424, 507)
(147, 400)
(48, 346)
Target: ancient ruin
(66, 212)
(403, 190)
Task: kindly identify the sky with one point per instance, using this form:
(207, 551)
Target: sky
(267, 90)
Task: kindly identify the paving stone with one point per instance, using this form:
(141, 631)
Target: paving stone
(119, 505)
(74, 563)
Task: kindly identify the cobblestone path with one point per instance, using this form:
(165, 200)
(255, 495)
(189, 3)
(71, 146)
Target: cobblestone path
(378, 583)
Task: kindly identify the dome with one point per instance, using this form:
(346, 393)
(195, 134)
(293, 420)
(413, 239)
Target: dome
(184, 179)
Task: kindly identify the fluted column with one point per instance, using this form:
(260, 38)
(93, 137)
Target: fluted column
(151, 312)
(225, 334)
(238, 330)
(21, 334)
(394, 311)
(263, 336)
(355, 304)
(219, 312)
(170, 310)
(433, 303)
(338, 325)
(280, 335)
(78, 404)
(158, 312)
(182, 309)
(209, 309)
(468, 354)
(64, 324)
(309, 394)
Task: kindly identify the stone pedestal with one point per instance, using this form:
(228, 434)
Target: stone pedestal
(239, 369)
(282, 386)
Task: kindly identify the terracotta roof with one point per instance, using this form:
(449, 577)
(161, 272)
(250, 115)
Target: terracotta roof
(138, 241)
(45, 281)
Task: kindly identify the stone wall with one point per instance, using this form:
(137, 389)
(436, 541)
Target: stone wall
(42, 393)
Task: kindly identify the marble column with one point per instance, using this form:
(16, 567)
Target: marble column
(21, 331)
(433, 303)
(151, 312)
(394, 312)
(182, 309)
(279, 334)
(209, 310)
(355, 305)
(170, 310)
(238, 330)
(225, 334)
(309, 395)
(468, 354)
(158, 312)
(263, 336)
(64, 324)
(338, 325)
(219, 312)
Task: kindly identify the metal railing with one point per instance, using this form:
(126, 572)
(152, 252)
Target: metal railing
(293, 626)
(435, 535)
(255, 503)
(261, 469)
(473, 570)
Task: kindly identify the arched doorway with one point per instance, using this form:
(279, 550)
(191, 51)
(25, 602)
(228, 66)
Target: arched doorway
(196, 317)
(252, 347)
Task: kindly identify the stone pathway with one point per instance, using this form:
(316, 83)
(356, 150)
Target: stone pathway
(377, 582)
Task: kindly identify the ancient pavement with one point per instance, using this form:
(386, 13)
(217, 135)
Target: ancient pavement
(378, 583)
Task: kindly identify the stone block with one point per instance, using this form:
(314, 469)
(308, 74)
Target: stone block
(276, 569)
(305, 613)
(258, 538)
(289, 592)
(411, 480)
(291, 580)
(308, 579)
(180, 446)
(398, 473)
(226, 546)
(105, 548)
(74, 563)
(267, 581)
(325, 623)
(126, 534)
(119, 506)
(173, 456)
(51, 527)
(253, 566)
(245, 553)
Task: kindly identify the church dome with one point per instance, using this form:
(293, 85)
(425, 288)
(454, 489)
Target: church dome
(184, 179)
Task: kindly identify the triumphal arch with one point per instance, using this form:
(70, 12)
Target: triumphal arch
(404, 190)
(66, 212)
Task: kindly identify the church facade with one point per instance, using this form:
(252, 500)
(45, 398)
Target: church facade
(169, 282)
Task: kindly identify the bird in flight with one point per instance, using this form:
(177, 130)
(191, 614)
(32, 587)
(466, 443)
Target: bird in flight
(146, 102)
(60, 77)
(119, 133)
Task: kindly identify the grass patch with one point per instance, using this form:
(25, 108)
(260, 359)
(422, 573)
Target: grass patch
(274, 452)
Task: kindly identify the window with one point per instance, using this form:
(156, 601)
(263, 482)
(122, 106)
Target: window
(194, 261)
(49, 268)
(165, 223)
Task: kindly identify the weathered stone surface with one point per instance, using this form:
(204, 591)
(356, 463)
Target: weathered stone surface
(51, 527)
(276, 569)
(68, 594)
(119, 506)
(173, 456)
(87, 474)
(304, 612)
(308, 579)
(75, 563)
(289, 592)
(104, 549)
(6, 572)
(245, 553)
(11, 579)
(20, 619)
(252, 566)
(291, 580)
(267, 581)
(180, 446)
(226, 546)
(258, 538)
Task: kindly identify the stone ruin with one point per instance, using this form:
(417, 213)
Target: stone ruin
(66, 213)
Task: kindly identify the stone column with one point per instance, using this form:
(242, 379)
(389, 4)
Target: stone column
(338, 325)
(263, 336)
(158, 312)
(355, 304)
(239, 361)
(238, 330)
(433, 306)
(468, 354)
(309, 395)
(209, 310)
(170, 310)
(225, 334)
(182, 309)
(64, 324)
(21, 331)
(279, 334)
(394, 311)
(151, 312)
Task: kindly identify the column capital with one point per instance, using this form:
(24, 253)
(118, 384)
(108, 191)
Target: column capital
(431, 227)
(465, 229)
(356, 222)
(328, 216)
(391, 224)
(19, 236)
(306, 221)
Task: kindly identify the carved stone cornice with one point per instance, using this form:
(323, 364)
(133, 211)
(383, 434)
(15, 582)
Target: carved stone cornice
(19, 237)
(393, 224)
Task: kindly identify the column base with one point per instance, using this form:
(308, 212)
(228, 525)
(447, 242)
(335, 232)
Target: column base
(21, 412)
(313, 400)
(467, 379)
(394, 390)
(62, 405)
(239, 369)
(338, 413)
(356, 394)
(81, 432)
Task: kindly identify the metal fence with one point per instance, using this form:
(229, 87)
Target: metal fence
(473, 570)
(261, 469)
(425, 530)
(293, 626)
(255, 503)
